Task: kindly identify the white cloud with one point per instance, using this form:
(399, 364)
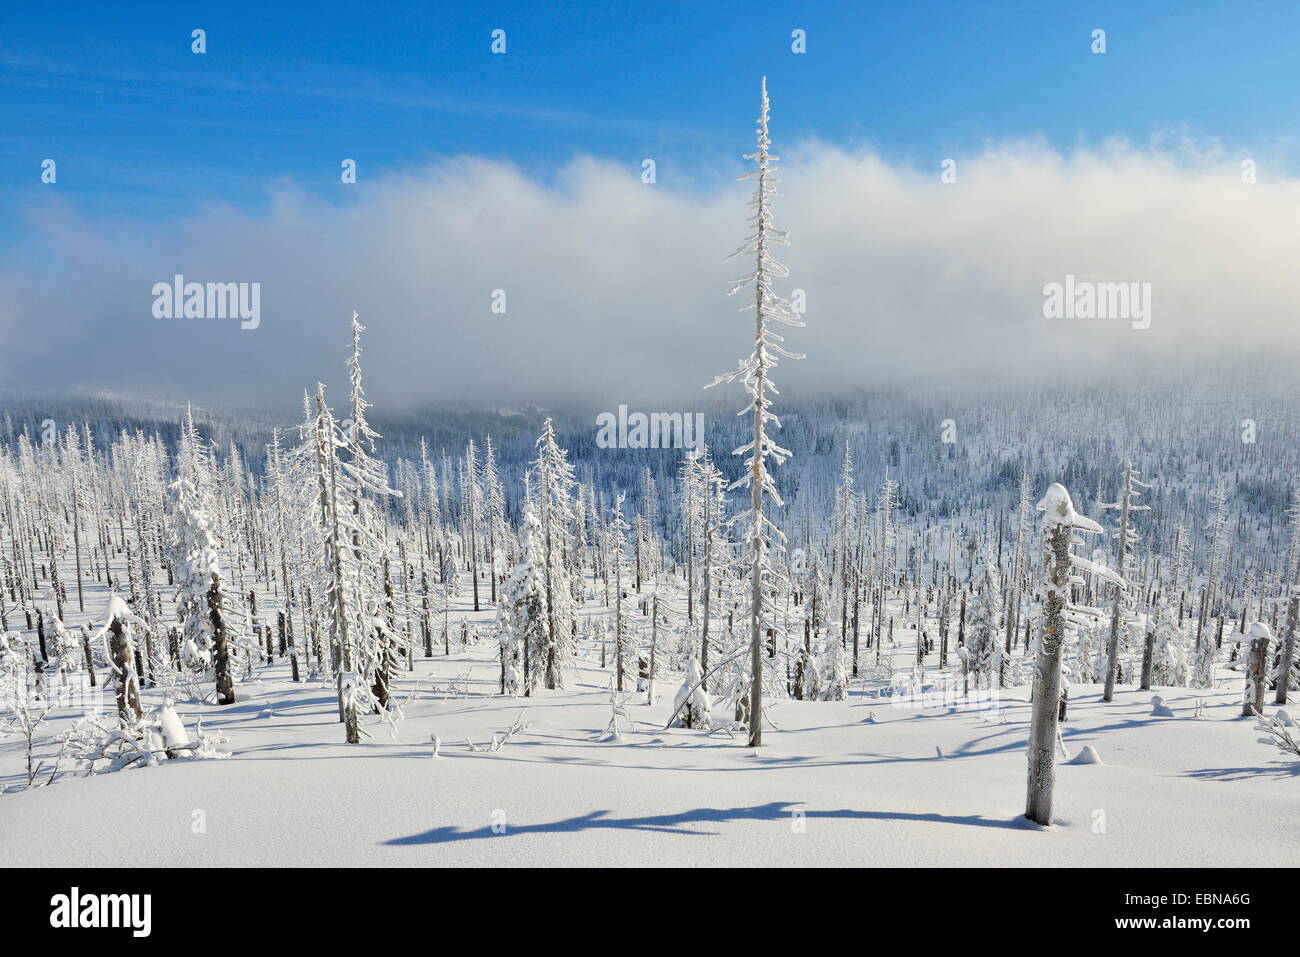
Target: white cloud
(616, 290)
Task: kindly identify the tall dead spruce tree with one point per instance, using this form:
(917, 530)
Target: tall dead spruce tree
(1060, 522)
(761, 535)
(1124, 537)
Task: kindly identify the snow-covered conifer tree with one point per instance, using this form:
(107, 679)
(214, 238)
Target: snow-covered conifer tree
(984, 651)
(555, 505)
(493, 512)
(203, 607)
(521, 613)
(1169, 657)
(471, 509)
(832, 667)
(843, 519)
(617, 530)
(362, 483)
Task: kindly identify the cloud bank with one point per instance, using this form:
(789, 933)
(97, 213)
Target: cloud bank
(615, 290)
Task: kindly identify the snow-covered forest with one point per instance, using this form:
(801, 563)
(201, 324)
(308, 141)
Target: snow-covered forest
(959, 624)
(174, 577)
(220, 590)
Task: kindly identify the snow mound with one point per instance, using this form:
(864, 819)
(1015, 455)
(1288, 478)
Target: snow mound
(1281, 717)
(171, 728)
(1159, 709)
(1087, 755)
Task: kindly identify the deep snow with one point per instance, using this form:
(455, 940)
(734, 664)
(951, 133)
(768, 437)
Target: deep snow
(843, 783)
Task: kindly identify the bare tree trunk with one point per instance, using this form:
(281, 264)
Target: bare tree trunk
(1288, 651)
(425, 624)
(654, 643)
(708, 588)
(1011, 624)
(1112, 647)
(618, 625)
(1112, 652)
(473, 543)
(220, 649)
(293, 647)
(76, 538)
(127, 681)
(1148, 657)
(1256, 677)
(90, 660)
(690, 552)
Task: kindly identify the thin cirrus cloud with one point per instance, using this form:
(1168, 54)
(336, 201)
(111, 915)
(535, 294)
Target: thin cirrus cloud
(615, 289)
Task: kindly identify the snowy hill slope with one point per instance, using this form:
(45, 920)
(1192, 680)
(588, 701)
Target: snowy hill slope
(930, 787)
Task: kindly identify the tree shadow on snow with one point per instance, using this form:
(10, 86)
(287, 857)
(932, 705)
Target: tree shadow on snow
(689, 822)
(1289, 770)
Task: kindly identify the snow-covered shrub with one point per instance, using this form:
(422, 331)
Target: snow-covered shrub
(1202, 668)
(1169, 657)
(834, 672)
(1090, 661)
(692, 704)
(64, 651)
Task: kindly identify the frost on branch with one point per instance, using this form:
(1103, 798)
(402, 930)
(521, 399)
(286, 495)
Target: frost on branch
(1280, 732)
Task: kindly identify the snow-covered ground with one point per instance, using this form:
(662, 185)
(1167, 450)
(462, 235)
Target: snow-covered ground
(857, 782)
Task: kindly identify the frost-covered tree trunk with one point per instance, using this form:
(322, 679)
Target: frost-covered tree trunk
(1288, 649)
(1148, 656)
(708, 589)
(76, 519)
(1218, 543)
(1060, 522)
(469, 488)
(493, 506)
(1047, 682)
(90, 658)
(555, 484)
(617, 529)
(690, 518)
(654, 644)
(1256, 670)
(339, 637)
(1125, 505)
(126, 680)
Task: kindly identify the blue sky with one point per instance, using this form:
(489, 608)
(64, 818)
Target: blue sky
(142, 128)
(521, 172)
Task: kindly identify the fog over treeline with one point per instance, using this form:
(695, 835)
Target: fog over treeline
(615, 290)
